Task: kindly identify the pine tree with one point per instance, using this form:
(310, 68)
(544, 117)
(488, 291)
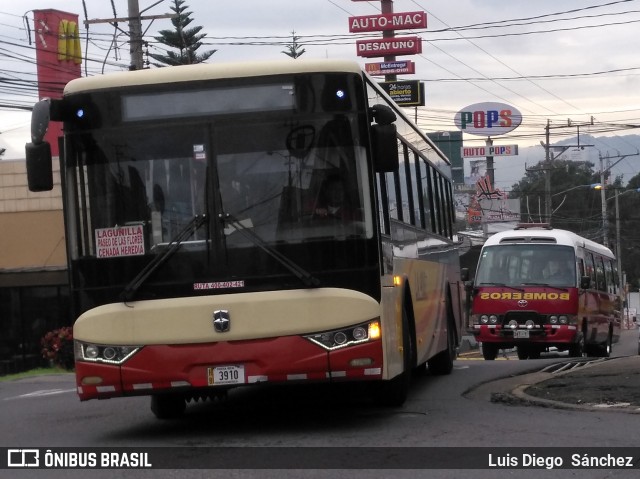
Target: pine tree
(294, 47)
(186, 40)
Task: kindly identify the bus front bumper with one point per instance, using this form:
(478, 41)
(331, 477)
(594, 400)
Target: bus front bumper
(213, 367)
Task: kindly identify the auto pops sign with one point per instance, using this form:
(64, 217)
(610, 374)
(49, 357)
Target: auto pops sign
(488, 119)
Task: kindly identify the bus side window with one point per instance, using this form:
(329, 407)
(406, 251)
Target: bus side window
(589, 268)
(608, 272)
(600, 277)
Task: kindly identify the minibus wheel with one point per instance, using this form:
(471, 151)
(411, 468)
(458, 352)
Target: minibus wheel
(489, 351)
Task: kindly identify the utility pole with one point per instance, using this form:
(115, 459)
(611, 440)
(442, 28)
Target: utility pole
(135, 36)
(386, 7)
(548, 159)
(135, 30)
(603, 196)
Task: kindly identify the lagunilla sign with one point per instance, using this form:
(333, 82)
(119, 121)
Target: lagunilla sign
(488, 119)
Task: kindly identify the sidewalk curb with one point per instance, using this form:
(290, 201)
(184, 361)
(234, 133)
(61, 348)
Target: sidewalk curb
(528, 380)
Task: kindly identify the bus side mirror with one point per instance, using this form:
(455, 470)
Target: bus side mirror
(385, 148)
(469, 287)
(464, 274)
(38, 152)
(39, 167)
(384, 141)
(585, 282)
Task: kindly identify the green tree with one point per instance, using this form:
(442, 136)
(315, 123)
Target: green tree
(186, 40)
(293, 48)
(629, 221)
(574, 206)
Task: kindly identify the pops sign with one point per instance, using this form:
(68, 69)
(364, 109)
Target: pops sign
(488, 119)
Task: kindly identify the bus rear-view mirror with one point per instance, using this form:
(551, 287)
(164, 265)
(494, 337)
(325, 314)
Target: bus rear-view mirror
(385, 148)
(39, 166)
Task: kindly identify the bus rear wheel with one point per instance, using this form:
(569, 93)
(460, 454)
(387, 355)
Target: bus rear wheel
(442, 363)
(167, 406)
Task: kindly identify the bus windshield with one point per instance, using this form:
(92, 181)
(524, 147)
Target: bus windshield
(527, 264)
(135, 190)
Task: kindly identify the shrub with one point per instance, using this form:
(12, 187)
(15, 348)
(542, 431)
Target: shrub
(57, 347)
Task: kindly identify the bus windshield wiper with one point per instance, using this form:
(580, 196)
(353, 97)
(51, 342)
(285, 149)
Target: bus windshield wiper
(503, 285)
(190, 228)
(307, 278)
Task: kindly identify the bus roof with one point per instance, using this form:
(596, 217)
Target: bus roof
(208, 71)
(544, 235)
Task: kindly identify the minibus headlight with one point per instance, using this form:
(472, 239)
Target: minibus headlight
(341, 338)
(100, 353)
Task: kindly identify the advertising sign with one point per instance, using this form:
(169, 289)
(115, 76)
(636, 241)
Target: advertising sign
(405, 93)
(389, 46)
(389, 21)
(390, 68)
(58, 58)
(488, 119)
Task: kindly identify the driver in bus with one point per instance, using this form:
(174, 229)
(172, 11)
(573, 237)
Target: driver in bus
(333, 203)
(559, 272)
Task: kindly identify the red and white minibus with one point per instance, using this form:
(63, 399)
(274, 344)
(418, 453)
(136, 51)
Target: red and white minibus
(537, 287)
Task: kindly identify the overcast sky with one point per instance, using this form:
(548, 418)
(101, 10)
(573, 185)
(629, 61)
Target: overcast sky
(577, 62)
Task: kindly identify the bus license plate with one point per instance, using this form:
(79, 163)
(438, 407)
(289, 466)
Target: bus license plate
(521, 334)
(221, 375)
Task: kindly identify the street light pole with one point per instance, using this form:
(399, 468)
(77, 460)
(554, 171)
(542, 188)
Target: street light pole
(618, 252)
(603, 198)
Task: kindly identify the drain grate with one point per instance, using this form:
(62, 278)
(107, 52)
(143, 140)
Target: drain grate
(571, 365)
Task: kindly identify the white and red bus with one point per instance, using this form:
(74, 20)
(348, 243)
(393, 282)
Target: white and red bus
(538, 287)
(204, 253)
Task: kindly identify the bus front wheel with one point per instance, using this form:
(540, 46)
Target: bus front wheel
(394, 393)
(489, 351)
(576, 350)
(167, 406)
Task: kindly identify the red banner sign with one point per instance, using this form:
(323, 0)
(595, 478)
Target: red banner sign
(58, 58)
(389, 46)
(390, 21)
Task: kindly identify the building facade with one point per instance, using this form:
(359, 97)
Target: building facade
(34, 296)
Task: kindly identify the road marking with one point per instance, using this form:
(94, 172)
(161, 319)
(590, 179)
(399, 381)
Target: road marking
(41, 393)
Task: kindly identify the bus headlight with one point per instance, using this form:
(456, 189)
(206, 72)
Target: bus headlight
(341, 338)
(493, 319)
(560, 319)
(484, 319)
(100, 353)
